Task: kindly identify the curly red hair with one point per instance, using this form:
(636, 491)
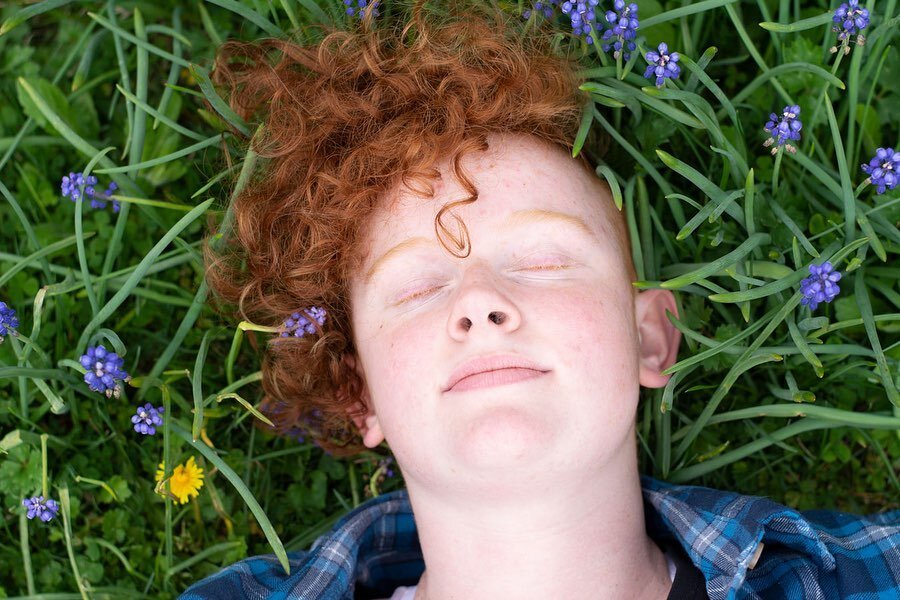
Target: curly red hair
(345, 121)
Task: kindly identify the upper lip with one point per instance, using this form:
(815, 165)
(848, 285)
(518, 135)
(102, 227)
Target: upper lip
(483, 364)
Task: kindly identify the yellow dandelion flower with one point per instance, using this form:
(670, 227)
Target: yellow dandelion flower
(185, 482)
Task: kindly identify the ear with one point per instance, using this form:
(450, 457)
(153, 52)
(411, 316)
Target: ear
(658, 339)
(363, 412)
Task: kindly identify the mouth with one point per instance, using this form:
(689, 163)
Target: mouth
(495, 377)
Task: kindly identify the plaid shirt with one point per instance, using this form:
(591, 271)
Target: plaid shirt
(745, 546)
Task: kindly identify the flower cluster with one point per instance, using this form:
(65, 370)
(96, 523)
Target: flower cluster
(185, 482)
(545, 8)
(104, 371)
(39, 507)
(662, 64)
(883, 170)
(358, 7)
(71, 188)
(8, 321)
(784, 129)
(820, 286)
(146, 419)
(624, 21)
(299, 325)
(849, 19)
(583, 18)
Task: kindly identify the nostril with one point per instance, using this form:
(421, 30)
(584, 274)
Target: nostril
(497, 317)
(466, 323)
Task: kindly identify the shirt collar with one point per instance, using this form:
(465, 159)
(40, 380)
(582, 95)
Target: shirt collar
(722, 531)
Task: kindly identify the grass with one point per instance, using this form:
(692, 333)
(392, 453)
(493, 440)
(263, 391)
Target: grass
(767, 397)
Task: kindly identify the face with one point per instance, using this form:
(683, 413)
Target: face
(541, 315)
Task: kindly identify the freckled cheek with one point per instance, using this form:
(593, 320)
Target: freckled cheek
(595, 333)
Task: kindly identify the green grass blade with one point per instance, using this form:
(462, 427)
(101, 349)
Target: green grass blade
(28, 12)
(245, 493)
(865, 309)
(846, 186)
(683, 11)
(220, 106)
(139, 272)
(250, 15)
(158, 115)
(118, 31)
(801, 25)
(720, 263)
(586, 119)
(211, 141)
(613, 182)
(197, 385)
(42, 253)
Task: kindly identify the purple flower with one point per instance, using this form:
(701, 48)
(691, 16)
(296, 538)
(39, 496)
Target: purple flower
(624, 24)
(662, 64)
(546, 8)
(783, 129)
(848, 19)
(104, 369)
(146, 419)
(8, 321)
(71, 188)
(299, 325)
(38, 507)
(820, 286)
(384, 465)
(358, 7)
(883, 170)
(583, 18)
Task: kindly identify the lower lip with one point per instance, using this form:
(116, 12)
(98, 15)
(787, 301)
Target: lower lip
(492, 378)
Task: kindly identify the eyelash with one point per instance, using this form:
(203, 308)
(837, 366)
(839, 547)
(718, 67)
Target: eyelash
(429, 291)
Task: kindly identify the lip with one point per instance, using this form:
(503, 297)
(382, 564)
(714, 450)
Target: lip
(484, 364)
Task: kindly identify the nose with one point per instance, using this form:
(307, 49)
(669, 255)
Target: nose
(481, 306)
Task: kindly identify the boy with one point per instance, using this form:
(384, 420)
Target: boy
(481, 320)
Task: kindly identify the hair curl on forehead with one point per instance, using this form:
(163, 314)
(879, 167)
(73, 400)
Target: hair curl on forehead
(345, 121)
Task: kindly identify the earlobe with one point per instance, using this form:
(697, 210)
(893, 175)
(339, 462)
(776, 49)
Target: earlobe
(658, 338)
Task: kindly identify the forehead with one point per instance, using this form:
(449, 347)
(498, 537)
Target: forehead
(517, 174)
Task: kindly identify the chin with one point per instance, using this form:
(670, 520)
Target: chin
(503, 438)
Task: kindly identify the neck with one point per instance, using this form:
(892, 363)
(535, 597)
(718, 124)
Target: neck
(584, 539)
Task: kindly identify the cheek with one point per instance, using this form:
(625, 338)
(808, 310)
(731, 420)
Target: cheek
(598, 337)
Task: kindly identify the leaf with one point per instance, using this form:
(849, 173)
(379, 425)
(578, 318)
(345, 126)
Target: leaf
(20, 473)
(54, 98)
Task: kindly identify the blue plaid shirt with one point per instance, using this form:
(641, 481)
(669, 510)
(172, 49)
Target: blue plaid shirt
(745, 546)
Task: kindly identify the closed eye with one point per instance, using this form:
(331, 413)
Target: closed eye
(424, 293)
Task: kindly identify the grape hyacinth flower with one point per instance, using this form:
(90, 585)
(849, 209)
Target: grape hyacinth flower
(662, 64)
(299, 325)
(146, 419)
(545, 8)
(883, 170)
(849, 19)
(358, 7)
(624, 22)
(71, 188)
(8, 321)
(784, 129)
(104, 370)
(583, 18)
(820, 286)
(38, 507)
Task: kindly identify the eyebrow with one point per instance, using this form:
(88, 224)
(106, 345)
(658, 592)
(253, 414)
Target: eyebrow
(513, 221)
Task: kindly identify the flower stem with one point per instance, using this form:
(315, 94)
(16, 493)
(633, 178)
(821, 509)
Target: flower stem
(776, 169)
(45, 488)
